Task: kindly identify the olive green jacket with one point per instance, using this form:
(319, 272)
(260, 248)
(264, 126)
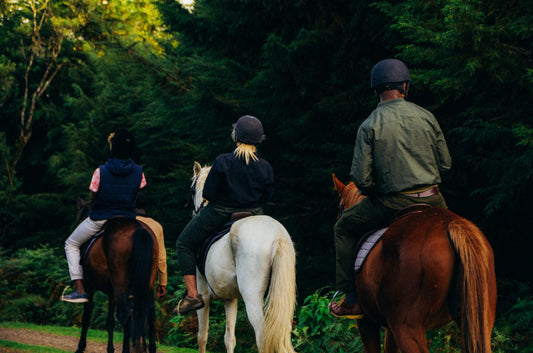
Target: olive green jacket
(399, 147)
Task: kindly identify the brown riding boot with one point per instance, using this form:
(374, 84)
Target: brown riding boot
(346, 310)
(188, 304)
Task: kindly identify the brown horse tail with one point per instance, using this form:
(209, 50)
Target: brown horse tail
(139, 274)
(477, 285)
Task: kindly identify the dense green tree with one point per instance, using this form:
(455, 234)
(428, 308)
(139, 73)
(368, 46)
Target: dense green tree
(474, 58)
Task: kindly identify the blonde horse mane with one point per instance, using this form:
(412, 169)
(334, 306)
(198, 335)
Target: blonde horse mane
(198, 181)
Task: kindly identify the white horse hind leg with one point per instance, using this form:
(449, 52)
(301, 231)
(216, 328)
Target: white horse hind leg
(203, 314)
(203, 326)
(230, 341)
(254, 310)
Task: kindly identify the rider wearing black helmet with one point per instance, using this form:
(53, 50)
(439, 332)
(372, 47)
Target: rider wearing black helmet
(399, 155)
(239, 181)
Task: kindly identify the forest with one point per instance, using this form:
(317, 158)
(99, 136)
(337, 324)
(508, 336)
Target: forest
(178, 77)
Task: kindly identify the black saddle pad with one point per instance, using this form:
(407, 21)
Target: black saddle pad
(84, 249)
(201, 255)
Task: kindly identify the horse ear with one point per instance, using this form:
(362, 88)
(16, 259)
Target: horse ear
(339, 186)
(197, 168)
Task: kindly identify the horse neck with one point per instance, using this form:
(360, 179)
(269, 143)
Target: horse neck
(198, 184)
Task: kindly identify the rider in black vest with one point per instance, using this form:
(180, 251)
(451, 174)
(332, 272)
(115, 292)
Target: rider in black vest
(114, 187)
(119, 185)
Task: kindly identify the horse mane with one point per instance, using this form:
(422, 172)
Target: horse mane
(198, 181)
(349, 194)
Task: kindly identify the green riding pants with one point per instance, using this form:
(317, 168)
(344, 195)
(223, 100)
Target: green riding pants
(210, 219)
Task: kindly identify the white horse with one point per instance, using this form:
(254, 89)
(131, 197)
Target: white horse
(256, 252)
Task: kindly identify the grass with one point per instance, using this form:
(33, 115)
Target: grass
(93, 335)
(27, 348)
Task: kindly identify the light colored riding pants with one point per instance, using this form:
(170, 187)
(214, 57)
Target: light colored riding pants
(83, 232)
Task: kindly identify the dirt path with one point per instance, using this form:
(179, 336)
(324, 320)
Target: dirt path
(35, 338)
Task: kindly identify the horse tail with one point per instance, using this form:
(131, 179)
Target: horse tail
(281, 298)
(477, 285)
(139, 274)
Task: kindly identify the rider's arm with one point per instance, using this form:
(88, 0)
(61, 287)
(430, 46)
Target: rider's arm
(362, 163)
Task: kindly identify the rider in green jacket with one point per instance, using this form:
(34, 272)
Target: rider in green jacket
(399, 155)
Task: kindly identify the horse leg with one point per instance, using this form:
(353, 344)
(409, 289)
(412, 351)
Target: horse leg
(370, 335)
(87, 310)
(254, 310)
(231, 317)
(127, 334)
(203, 325)
(410, 339)
(110, 323)
(390, 343)
(151, 326)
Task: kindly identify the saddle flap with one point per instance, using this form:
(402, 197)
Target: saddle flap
(367, 244)
(84, 249)
(201, 255)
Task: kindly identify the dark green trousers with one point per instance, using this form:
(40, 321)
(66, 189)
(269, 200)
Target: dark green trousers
(210, 219)
(371, 213)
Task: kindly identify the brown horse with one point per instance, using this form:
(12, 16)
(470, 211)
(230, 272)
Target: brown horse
(122, 264)
(430, 267)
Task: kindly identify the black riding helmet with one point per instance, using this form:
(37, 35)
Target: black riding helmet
(122, 144)
(249, 130)
(389, 74)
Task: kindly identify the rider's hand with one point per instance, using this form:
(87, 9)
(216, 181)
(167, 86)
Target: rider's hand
(161, 291)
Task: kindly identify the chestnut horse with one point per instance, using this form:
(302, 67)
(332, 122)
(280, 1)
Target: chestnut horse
(429, 268)
(122, 264)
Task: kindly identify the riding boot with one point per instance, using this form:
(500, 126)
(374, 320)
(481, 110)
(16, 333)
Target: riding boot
(348, 307)
(188, 304)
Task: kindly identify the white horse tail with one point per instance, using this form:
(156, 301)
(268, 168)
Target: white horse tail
(281, 298)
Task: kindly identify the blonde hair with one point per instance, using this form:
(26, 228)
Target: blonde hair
(246, 152)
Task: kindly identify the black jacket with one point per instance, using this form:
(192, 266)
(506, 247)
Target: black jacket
(233, 183)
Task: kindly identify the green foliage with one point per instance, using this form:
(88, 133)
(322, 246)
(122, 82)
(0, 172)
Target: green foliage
(513, 332)
(445, 339)
(32, 281)
(317, 331)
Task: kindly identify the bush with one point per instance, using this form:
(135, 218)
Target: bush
(318, 332)
(32, 281)
(514, 330)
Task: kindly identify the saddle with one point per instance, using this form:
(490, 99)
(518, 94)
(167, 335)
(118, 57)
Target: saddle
(201, 254)
(370, 239)
(84, 249)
